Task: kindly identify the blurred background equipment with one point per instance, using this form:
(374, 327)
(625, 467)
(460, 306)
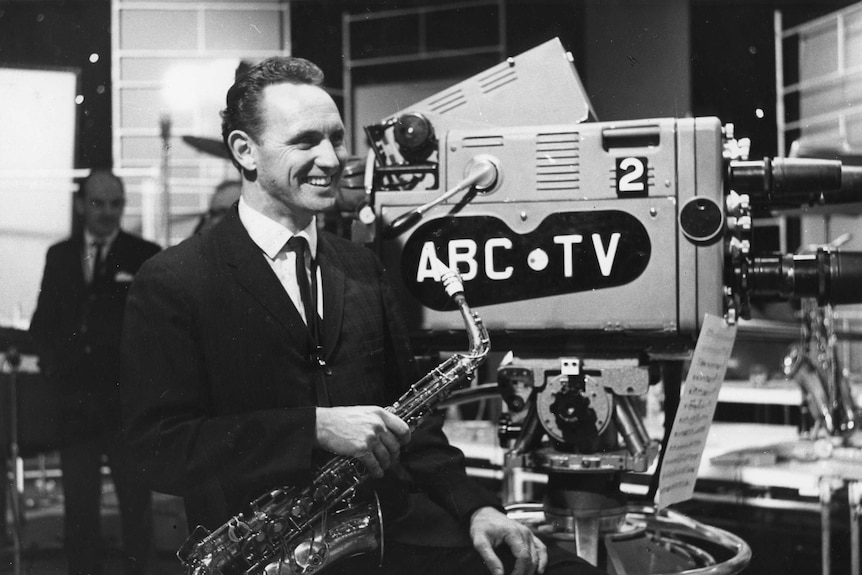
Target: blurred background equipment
(225, 195)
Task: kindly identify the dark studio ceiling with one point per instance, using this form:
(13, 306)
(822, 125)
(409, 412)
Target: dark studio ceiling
(732, 48)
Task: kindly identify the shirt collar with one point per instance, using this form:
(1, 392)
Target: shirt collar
(90, 239)
(269, 235)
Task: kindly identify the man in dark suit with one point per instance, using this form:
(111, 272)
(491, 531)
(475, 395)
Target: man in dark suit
(77, 327)
(232, 386)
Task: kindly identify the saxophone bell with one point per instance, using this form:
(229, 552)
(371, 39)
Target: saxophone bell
(354, 530)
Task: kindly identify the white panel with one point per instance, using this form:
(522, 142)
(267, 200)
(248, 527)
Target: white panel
(830, 85)
(831, 98)
(818, 53)
(853, 40)
(142, 147)
(35, 180)
(144, 69)
(141, 107)
(854, 131)
(158, 29)
(244, 30)
(825, 133)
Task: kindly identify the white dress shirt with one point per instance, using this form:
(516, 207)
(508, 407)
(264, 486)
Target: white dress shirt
(88, 258)
(271, 237)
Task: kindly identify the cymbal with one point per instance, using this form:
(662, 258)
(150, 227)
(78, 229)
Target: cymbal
(210, 146)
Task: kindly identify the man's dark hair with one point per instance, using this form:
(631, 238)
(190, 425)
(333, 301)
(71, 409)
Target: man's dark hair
(242, 111)
(97, 175)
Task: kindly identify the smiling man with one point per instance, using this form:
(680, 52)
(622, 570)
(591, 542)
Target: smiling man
(251, 357)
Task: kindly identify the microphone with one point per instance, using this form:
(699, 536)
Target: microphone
(482, 173)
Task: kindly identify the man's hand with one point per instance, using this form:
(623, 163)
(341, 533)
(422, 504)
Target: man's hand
(367, 432)
(489, 528)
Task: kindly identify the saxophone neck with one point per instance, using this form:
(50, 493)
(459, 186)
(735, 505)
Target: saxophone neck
(477, 334)
(480, 343)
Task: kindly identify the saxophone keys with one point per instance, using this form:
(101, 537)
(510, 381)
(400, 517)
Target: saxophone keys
(300, 507)
(309, 555)
(277, 527)
(237, 530)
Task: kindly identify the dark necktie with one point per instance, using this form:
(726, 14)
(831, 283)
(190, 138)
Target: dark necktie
(308, 292)
(99, 263)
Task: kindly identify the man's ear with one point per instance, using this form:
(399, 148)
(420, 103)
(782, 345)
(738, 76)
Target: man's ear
(242, 148)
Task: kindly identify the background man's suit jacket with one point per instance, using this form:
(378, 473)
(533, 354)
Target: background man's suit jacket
(77, 327)
(218, 392)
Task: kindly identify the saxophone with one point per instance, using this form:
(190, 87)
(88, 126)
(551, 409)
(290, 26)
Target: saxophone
(305, 530)
(814, 364)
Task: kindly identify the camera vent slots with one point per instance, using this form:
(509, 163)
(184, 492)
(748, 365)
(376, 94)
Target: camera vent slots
(489, 141)
(558, 161)
(497, 78)
(448, 101)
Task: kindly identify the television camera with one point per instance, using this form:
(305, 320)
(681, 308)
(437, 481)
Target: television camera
(594, 250)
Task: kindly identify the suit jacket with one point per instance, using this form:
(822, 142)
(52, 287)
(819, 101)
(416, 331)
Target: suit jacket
(77, 326)
(218, 390)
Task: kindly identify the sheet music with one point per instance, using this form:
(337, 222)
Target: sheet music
(696, 410)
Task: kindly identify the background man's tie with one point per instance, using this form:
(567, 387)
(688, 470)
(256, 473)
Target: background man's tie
(99, 263)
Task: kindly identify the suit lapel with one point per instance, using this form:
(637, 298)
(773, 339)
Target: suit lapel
(246, 263)
(332, 276)
(76, 263)
(115, 255)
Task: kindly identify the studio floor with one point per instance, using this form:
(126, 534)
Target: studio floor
(41, 549)
(783, 541)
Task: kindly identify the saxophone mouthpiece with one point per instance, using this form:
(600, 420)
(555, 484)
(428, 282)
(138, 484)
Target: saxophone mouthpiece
(450, 278)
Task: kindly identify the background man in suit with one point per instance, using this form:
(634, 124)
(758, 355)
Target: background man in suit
(77, 326)
(229, 389)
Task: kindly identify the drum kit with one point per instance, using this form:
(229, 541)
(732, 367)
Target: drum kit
(209, 146)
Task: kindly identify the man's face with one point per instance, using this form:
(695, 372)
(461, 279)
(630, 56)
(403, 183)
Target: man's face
(101, 206)
(300, 153)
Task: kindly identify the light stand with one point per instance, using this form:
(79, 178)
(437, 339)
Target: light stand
(13, 359)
